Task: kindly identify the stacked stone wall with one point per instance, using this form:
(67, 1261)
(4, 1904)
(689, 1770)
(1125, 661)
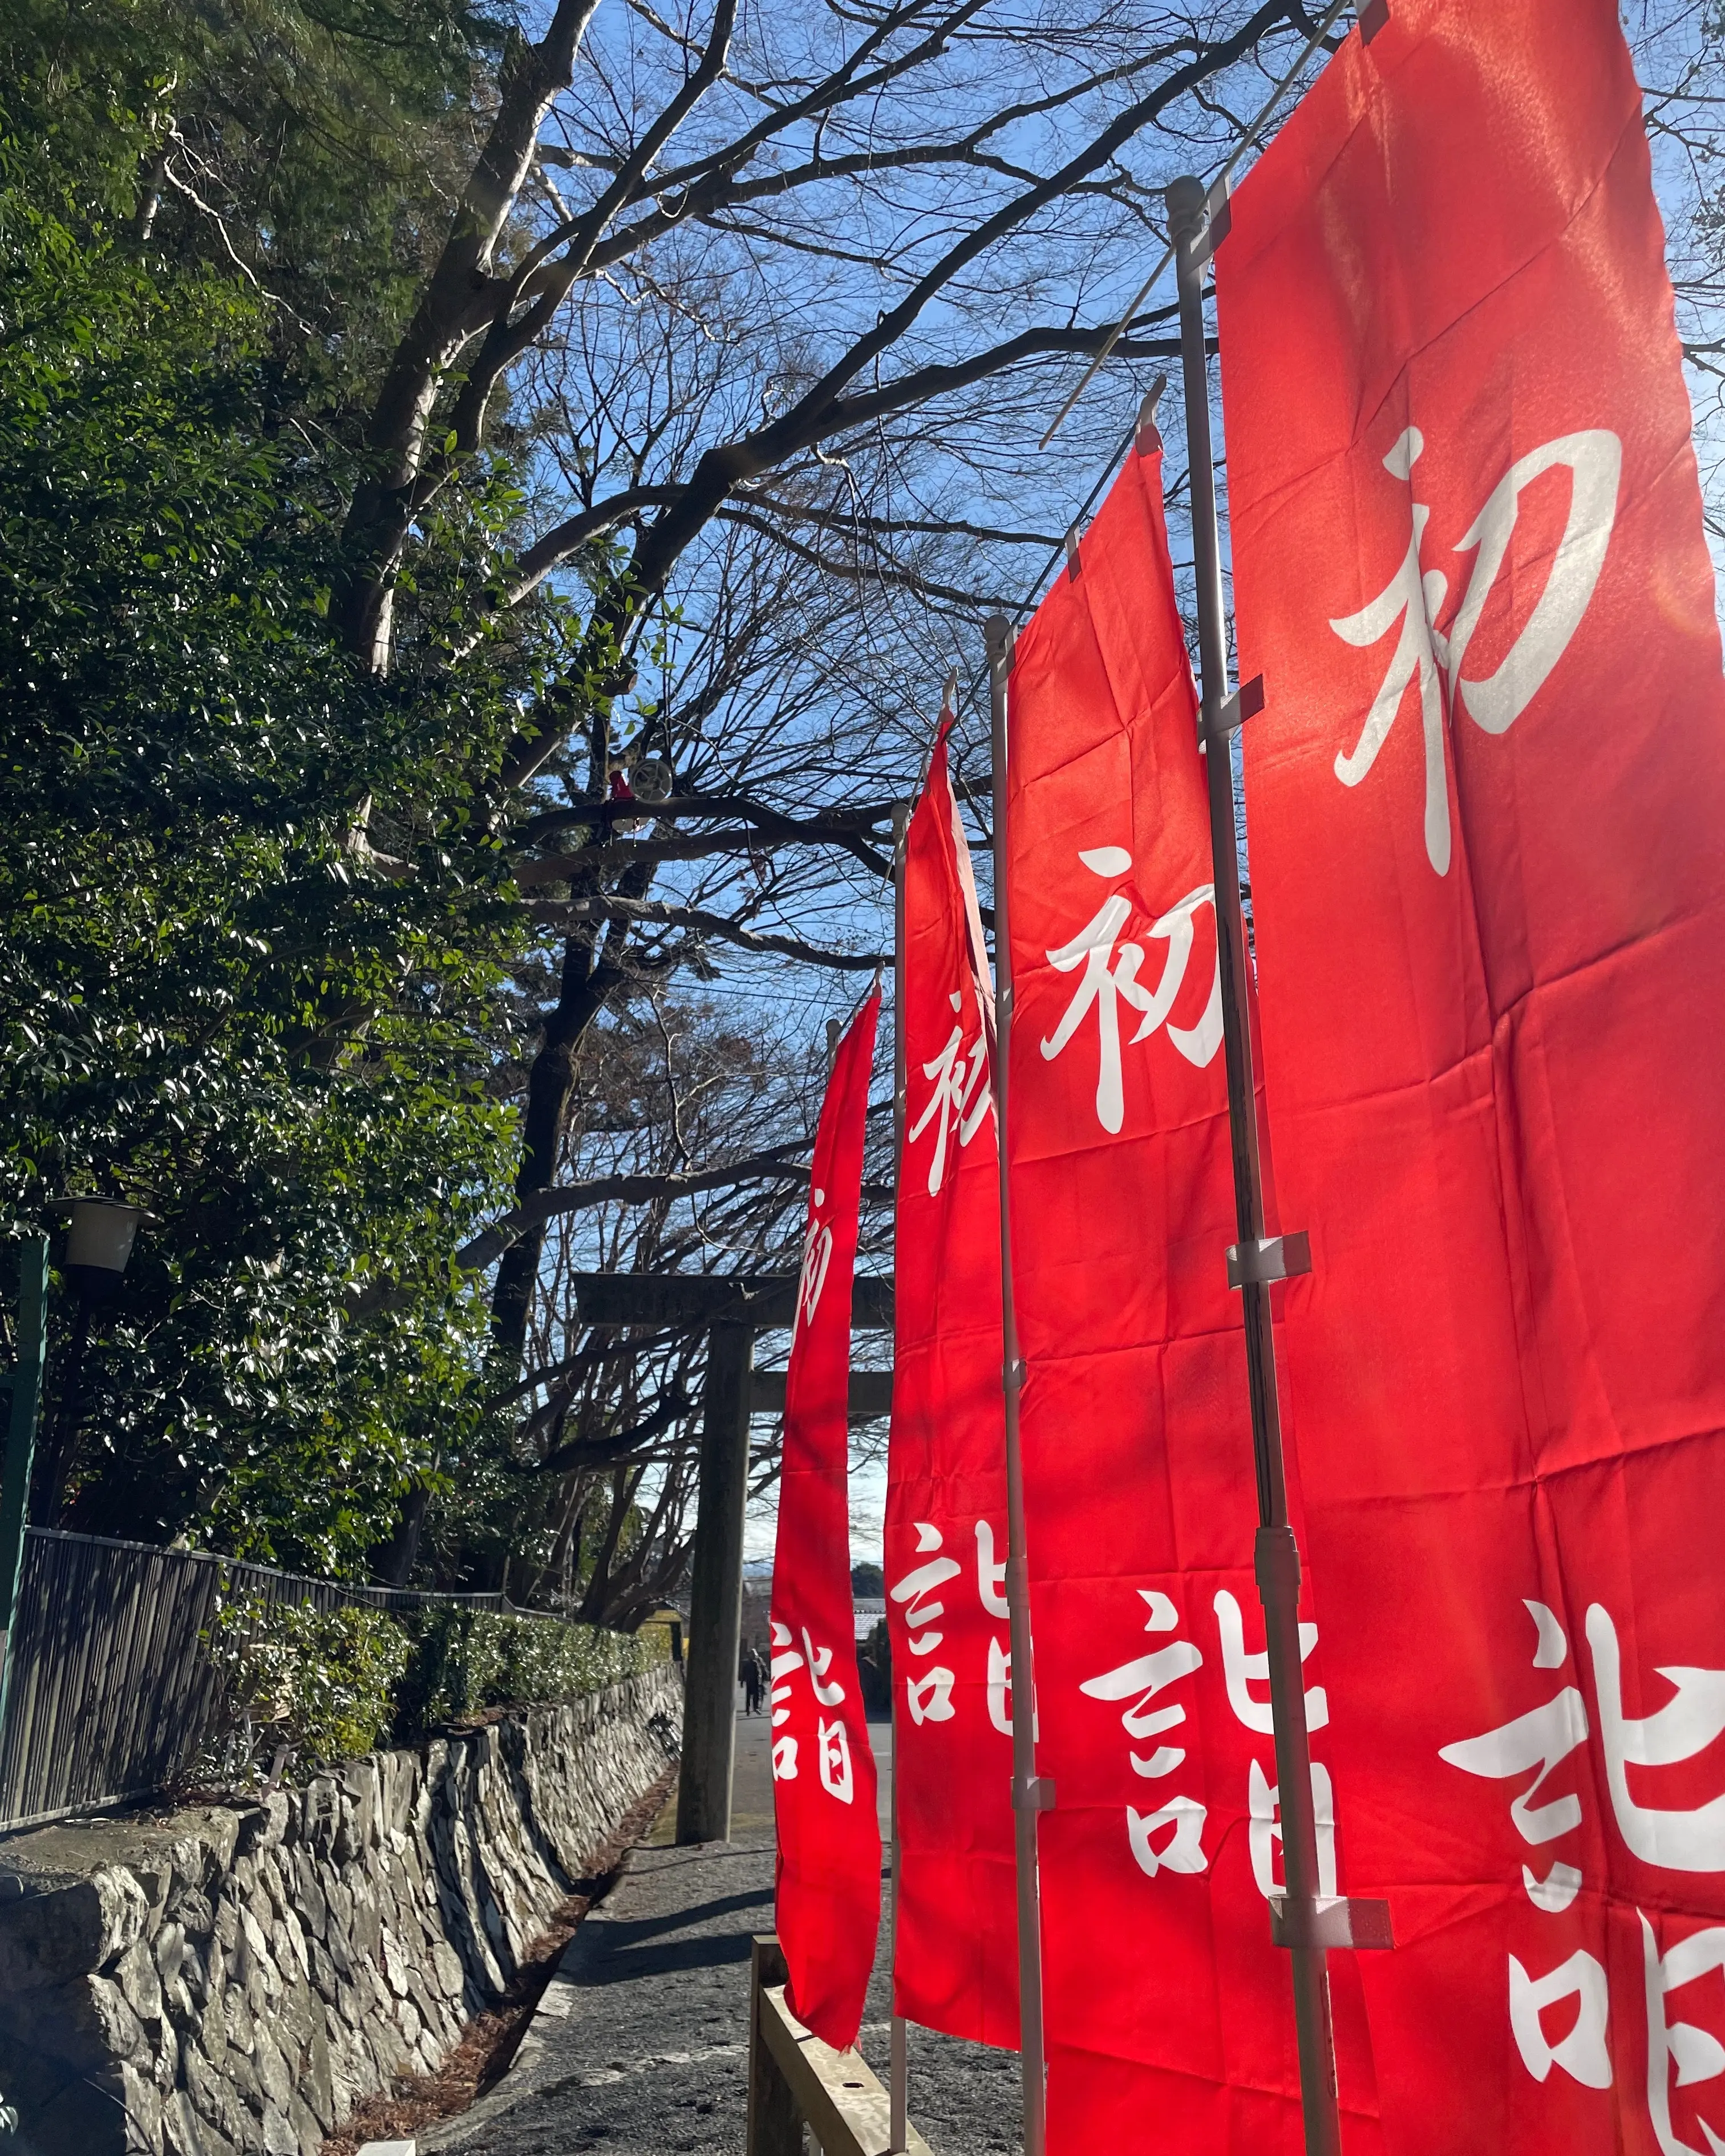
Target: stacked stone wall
(231, 1981)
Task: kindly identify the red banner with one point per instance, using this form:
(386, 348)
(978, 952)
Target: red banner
(823, 1799)
(955, 1965)
(1485, 802)
(1169, 2013)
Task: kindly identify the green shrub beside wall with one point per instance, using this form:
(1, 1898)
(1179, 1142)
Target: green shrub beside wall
(466, 1659)
(301, 1688)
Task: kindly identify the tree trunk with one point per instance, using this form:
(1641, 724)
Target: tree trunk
(587, 983)
(460, 299)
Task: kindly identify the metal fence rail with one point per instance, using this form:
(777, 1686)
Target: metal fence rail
(109, 1694)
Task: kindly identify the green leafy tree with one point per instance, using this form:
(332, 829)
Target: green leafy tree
(218, 996)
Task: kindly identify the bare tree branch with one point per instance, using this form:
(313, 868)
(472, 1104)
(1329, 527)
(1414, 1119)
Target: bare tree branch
(660, 912)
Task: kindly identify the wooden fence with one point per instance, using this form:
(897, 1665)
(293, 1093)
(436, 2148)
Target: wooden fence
(797, 2082)
(109, 1694)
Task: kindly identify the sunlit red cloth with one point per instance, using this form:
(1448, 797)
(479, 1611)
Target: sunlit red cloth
(824, 1794)
(955, 1961)
(1485, 802)
(1168, 2012)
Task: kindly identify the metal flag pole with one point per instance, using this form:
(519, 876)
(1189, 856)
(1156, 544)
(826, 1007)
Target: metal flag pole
(1030, 1795)
(899, 2063)
(1299, 1920)
(1242, 142)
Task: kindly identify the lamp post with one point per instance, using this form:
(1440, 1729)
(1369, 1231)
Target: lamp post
(98, 1248)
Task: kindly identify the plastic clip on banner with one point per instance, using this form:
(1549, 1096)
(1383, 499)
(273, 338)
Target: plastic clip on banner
(1485, 799)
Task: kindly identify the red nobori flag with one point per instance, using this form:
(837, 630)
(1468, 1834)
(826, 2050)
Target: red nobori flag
(1168, 2012)
(955, 1953)
(828, 1888)
(1485, 802)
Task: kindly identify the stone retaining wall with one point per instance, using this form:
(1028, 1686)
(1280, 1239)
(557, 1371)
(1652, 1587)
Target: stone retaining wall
(235, 1979)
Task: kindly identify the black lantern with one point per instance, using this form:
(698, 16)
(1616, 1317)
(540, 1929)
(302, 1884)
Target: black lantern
(98, 1247)
(102, 1234)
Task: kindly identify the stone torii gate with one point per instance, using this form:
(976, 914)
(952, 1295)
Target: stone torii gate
(733, 1307)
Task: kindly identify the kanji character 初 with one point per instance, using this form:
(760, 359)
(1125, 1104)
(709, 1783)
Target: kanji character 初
(1411, 602)
(817, 1257)
(961, 1098)
(1107, 981)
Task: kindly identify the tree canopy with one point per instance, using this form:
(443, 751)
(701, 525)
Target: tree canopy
(414, 419)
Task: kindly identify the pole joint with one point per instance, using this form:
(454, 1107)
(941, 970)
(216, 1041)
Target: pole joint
(1230, 715)
(1198, 219)
(1033, 1793)
(1276, 1564)
(1330, 1920)
(1270, 1258)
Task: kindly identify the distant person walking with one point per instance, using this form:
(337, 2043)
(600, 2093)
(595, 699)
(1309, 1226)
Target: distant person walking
(752, 1678)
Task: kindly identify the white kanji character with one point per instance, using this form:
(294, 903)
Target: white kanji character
(930, 1697)
(1263, 1798)
(1594, 459)
(1697, 2055)
(1692, 1841)
(836, 1775)
(1543, 1738)
(784, 1758)
(817, 1257)
(1183, 1851)
(820, 1661)
(1000, 1687)
(785, 1661)
(920, 1615)
(961, 1098)
(1140, 1681)
(990, 1577)
(1107, 982)
(1582, 2053)
(1240, 1670)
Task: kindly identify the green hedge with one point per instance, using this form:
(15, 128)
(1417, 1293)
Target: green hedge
(465, 1659)
(302, 1687)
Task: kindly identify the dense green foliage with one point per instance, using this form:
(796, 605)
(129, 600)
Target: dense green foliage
(327, 139)
(312, 1685)
(320, 1686)
(464, 1660)
(214, 1000)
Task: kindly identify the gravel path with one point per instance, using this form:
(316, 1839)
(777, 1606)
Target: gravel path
(639, 2044)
